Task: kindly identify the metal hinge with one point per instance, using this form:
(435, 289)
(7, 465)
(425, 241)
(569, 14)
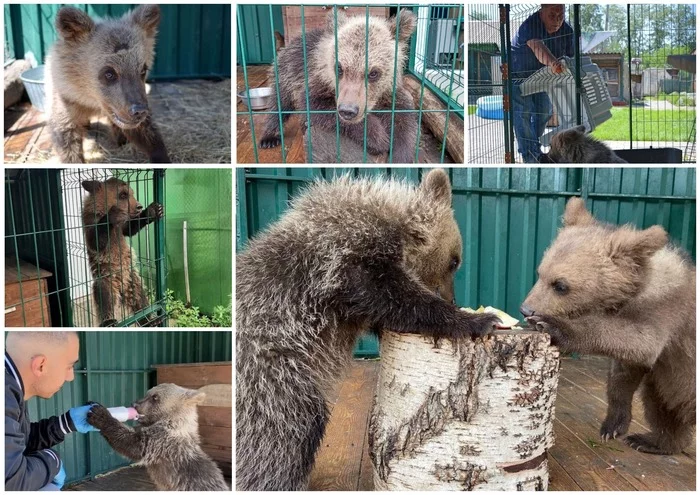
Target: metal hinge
(504, 72)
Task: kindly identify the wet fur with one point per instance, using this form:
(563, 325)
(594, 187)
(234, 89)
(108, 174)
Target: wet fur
(107, 220)
(631, 297)
(575, 146)
(75, 87)
(349, 255)
(166, 441)
(320, 53)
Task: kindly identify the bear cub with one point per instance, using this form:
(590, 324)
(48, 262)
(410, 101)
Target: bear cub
(349, 255)
(353, 99)
(630, 295)
(100, 68)
(110, 214)
(166, 441)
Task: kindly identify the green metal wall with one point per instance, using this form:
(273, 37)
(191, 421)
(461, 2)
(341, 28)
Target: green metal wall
(194, 41)
(256, 27)
(203, 198)
(507, 216)
(114, 370)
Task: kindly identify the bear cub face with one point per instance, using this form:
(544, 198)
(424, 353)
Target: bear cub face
(381, 38)
(166, 401)
(118, 55)
(112, 193)
(592, 267)
(438, 253)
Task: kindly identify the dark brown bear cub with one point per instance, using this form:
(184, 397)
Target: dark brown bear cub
(349, 255)
(630, 295)
(166, 440)
(110, 214)
(99, 68)
(353, 99)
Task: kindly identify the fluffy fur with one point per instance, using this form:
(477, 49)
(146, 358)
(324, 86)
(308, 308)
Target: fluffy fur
(627, 294)
(575, 146)
(111, 213)
(348, 255)
(350, 100)
(99, 68)
(167, 440)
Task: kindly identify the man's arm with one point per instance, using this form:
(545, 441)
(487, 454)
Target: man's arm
(25, 470)
(48, 432)
(544, 55)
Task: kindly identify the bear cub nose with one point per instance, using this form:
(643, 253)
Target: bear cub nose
(526, 310)
(348, 112)
(138, 110)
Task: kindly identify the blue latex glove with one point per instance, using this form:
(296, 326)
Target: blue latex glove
(60, 478)
(79, 417)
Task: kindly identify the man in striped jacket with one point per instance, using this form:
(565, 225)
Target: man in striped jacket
(38, 364)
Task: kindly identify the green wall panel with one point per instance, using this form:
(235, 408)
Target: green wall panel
(507, 216)
(194, 41)
(202, 197)
(115, 369)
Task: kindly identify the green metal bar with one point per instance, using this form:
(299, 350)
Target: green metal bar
(337, 117)
(241, 208)
(159, 193)
(629, 66)
(393, 96)
(247, 86)
(306, 86)
(277, 86)
(422, 83)
(364, 140)
(452, 76)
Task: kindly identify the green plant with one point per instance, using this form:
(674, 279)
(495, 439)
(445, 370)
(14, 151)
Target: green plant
(222, 315)
(184, 316)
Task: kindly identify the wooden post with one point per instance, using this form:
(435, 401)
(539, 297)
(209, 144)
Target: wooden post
(469, 416)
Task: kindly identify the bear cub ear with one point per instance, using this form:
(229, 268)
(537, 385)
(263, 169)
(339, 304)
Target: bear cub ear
(437, 186)
(147, 18)
(92, 186)
(73, 24)
(577, 214)
(636, 244)
(407, 24)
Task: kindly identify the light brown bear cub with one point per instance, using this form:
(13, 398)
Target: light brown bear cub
(99, 68)
(630, 295)
(354, 97)
(166, 440)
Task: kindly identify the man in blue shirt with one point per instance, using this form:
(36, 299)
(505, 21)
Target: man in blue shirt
(540, 41)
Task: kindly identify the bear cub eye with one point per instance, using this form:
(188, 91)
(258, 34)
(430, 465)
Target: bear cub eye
(454, 264)
(109, 75)
(144, 71)
(123, 195)
(374, 74)
(560, 287)
(340, 70)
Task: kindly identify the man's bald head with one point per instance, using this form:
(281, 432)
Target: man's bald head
(44, 360)
(552, 15)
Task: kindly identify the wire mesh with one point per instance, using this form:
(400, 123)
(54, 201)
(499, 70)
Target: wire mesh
(97, 256)
(642, 56)
(435, 58)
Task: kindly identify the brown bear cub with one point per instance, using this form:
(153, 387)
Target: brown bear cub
(352, 104)
(349, 255)
(630, 295)
(575, 146)
(166, 441)
(110, 214)
(99, 68)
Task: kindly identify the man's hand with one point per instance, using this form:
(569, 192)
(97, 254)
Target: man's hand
(557, 67)
(60, 478)
(79, 417)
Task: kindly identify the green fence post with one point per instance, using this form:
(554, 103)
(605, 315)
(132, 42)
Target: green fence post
(159, 193)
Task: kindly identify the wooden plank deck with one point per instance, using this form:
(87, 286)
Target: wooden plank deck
(578, 460)
(128, 479)
(259, 76)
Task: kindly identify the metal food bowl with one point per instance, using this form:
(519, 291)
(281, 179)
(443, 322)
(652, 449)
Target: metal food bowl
(259, 98)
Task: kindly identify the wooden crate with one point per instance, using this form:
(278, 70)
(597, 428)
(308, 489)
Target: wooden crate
(215, 421)
(26, 295)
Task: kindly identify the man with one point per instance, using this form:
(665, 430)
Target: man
(540, 41)
(38, 364)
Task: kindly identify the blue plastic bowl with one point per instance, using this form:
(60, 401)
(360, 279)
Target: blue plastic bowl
(490, 107)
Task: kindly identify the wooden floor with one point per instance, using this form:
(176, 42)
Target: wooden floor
(259, 76)
(127, 479)
(578, 460)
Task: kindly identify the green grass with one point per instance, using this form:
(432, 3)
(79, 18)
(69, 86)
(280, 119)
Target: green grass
(471, 109)
(647, 125)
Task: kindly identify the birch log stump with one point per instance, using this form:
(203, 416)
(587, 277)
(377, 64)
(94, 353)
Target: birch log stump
(471, 416)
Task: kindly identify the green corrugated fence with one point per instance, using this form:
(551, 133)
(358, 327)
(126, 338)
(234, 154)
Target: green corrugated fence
(115, 369)
(507, 216)
(194, 41)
